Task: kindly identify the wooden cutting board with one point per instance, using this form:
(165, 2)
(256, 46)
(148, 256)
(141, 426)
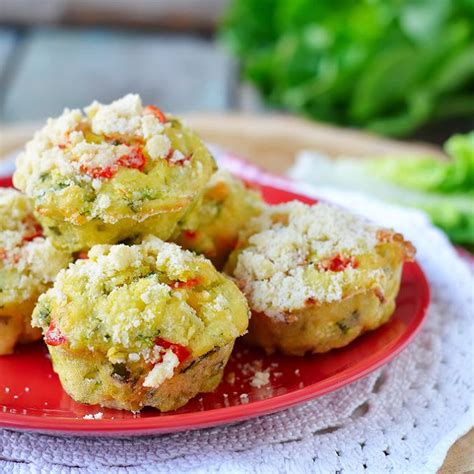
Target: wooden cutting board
(272, 141)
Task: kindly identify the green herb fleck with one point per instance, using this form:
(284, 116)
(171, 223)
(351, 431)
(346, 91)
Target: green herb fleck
(343, 327)
(44, 314)
(120, 372)
(55, 230)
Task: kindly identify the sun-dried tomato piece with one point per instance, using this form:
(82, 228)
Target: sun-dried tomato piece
(135, 159)
(35, 230)
(339, 263)
(99, 172)
(191, 283)
(53, 336)
(190, 234)
(176, 161)
(157, 112)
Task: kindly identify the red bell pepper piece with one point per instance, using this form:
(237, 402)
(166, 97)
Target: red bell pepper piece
(53, 336)
(181, 352)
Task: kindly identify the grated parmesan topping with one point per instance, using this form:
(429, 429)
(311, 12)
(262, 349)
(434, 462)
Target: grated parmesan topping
(158, 146)
(14, 208)
(171, 257)
(109, 260)
(65, 143)
(162, 371)
(282, 264)
(93, 416)
(260, 379)
(96, 155)
(127, 296)
(124, 116)
(28, 261)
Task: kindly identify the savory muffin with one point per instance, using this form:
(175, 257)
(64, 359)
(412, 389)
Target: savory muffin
(212, 227)
(118, 172)
(316, 277)
(28, 265)
(141, 325)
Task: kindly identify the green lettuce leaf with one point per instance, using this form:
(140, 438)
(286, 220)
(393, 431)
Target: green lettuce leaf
(443, 189)
(429, 173)
(387, 65)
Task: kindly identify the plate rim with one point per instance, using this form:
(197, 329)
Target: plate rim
(226, 415)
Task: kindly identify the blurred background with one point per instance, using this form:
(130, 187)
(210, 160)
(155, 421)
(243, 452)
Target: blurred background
(399, 68)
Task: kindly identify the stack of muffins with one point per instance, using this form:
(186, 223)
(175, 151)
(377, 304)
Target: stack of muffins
(140, 263)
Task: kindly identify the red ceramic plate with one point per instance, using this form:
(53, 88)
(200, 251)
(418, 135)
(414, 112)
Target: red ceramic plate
(31, 397)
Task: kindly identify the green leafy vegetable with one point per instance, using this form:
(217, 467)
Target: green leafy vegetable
(443, 189)
(429, 173)
(387, 65)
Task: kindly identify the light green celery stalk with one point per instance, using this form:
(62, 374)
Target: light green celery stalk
(443, 189)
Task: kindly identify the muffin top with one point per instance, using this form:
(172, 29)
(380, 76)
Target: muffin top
(212, 227)
(294, 255)
(111, 162)
(28, 261)
(123, 300)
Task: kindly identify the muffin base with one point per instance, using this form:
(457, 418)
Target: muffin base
(74, 238)
(322, 327)
(89, 379)
(15, 325)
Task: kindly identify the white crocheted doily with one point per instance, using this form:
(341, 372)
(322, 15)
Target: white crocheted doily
(402, 418)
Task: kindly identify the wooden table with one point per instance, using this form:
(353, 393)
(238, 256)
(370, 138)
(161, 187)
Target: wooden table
(272, 142)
